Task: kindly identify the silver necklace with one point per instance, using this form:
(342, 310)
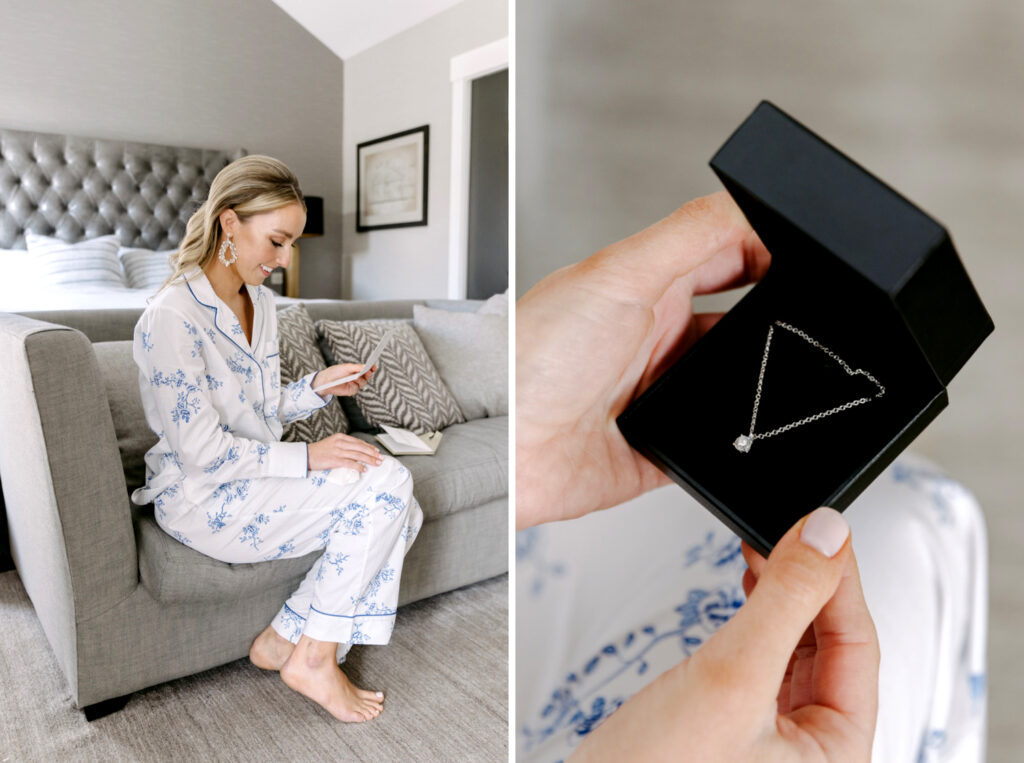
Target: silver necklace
(744, 441)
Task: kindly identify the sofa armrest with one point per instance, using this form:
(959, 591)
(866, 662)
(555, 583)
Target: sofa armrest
(70, 521)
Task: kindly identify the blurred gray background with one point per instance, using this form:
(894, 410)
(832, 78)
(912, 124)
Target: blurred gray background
(620, 106)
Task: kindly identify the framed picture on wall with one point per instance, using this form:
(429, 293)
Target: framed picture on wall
(391, 180)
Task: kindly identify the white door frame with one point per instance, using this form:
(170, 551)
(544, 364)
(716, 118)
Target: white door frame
(465, 68)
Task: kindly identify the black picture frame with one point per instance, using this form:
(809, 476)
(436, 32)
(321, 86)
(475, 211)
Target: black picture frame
(394, 207)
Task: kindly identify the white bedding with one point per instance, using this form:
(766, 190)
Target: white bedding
(25, 288)
(77, 298)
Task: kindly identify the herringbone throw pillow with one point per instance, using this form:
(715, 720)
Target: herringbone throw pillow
(300, 355)
(406, 390)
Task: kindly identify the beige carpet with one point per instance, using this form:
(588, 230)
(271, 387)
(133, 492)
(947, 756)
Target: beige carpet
(445, 674)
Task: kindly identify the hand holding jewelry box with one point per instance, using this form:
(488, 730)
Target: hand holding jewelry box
(881, 312)
(840, 354)
(589, 339)
(593, 336)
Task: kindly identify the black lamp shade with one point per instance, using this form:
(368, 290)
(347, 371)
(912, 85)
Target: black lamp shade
(314, 216)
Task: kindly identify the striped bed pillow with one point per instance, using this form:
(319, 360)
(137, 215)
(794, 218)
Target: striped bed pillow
(92, 262)
(145, 268)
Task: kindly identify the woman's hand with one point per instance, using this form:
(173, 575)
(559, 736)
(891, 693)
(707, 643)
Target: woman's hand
(591, 337)
(792, 677)
(340, 371)
(342, 451)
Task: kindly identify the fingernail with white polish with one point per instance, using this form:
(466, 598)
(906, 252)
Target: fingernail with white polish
(825, 530)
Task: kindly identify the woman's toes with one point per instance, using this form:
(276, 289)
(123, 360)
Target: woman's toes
(373, 696)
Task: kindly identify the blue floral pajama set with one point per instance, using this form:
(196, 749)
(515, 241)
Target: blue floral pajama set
(224, 484)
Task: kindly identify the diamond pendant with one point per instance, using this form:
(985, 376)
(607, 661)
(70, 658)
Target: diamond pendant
(742, 443)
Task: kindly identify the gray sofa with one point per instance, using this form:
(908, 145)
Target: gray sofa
(125, 606)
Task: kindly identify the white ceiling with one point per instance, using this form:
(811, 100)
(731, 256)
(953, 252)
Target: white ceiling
(349, 27)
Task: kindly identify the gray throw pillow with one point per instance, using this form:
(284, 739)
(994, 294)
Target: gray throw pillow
(498, 304)
(300, 355)
(470, 351)
(406, 390)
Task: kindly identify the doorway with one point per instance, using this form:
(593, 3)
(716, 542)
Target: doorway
(478, 212)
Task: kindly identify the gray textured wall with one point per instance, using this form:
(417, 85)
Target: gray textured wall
(401, 83)
(203, 73)
(620, 107)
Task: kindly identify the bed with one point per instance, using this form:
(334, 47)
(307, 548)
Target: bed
(89, 223)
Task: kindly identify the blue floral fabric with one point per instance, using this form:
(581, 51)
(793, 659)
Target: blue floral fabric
(222, 482)
(214, 399)
(607, 603)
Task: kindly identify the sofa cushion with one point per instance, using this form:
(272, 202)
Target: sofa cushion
(406, 390)
(121, 379)
(173, 572)
(300, 355)
(470, 467)
(470, 351)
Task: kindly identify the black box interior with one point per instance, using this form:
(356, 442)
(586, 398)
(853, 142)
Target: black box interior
(858, 269)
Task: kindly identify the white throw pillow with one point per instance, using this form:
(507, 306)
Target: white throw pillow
(146, 269)
(470, 351)
(92, 262)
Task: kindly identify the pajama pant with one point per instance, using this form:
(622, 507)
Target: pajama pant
(365, 528)
(608, 602)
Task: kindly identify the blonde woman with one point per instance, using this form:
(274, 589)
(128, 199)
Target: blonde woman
(221, 480)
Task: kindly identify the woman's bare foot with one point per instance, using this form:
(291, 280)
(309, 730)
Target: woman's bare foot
(311, 670)
(270, 650)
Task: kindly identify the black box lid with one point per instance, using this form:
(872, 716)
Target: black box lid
(801, 195)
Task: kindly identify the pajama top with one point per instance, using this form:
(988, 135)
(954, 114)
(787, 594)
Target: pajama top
(215, 400)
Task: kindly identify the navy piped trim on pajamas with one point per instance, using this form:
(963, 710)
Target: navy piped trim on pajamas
(350, 617)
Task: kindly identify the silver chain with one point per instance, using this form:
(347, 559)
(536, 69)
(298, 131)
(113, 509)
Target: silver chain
(842, 363)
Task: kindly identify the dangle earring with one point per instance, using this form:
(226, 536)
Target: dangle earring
(228, 243)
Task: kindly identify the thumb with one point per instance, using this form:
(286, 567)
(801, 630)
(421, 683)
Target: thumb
(801, 574)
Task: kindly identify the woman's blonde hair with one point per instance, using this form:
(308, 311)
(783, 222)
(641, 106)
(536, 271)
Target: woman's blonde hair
(250, 186)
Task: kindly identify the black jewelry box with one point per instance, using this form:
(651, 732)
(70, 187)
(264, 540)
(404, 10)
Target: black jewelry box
(861, 272)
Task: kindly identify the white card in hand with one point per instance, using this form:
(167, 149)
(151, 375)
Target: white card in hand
(370, 363)
(404, 437)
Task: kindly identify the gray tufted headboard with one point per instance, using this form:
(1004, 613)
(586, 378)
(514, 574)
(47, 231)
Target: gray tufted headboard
(76, 188)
